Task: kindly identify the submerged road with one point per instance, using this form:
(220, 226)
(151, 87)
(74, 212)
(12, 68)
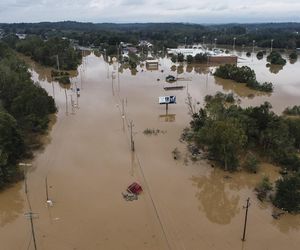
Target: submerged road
(88, 162)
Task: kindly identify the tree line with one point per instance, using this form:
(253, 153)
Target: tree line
(49, 52)
(242, 74)
(165, 35)
(237, 137)
(24, 113)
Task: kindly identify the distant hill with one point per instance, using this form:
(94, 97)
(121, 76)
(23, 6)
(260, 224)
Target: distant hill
(285, 35)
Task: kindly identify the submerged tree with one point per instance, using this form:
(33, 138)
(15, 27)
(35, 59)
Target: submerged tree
(287, 196)
(276, 58)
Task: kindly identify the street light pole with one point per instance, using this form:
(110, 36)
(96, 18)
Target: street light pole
(216, 43)
(253, 44)
(234, 43)
(104, 54)
(272, 40)
(203, 40)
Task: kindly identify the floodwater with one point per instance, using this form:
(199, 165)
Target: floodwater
(88, 164)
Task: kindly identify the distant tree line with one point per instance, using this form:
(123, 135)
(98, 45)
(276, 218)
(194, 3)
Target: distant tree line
(242, 74)
(295, 110)
(236, 137)
(24, 113)
(47, 52)
(163, 35)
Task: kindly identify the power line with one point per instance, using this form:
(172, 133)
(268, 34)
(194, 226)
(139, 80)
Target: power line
(130, 125)
(30, 216)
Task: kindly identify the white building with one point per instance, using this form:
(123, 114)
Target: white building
(144, 43)
(194, 50)
(21, 36)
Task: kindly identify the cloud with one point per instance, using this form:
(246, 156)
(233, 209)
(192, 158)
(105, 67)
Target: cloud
(199, 11)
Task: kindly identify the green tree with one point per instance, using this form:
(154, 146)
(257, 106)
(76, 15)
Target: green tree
(293, 56)
(200, 58)
(287, 196)
(263, 188)
(180, 58)
(174, 58)
(276, 58)
(251, 163)
(225, 140)
(11, 148)
(189, 59)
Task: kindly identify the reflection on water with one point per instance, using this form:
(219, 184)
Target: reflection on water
(202, 69)
(219, 205)
(287, 223)
(12, 204)
(167, 117)
(239, 88)
(180, 69)
(219, 191)
(274, 68)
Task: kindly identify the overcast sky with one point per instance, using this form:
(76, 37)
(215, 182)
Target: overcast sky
(195, 11)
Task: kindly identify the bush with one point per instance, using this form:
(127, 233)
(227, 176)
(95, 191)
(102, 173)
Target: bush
(200, 58)
(263, 188)
(180, 58)
(260, 55)
(275, 58)
(243, 74)
(174, 58)
(251, 163)
(295, 110)
(287, 196)
(293, 56)
(189, 59)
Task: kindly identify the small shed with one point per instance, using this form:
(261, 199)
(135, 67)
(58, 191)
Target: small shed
(152, 64)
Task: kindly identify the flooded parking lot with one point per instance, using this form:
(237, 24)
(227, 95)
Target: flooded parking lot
(88, 163)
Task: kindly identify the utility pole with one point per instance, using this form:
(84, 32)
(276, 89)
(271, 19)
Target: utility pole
(66, 102)
(123, 110)
(25, 181)
(81, 72)
(30, 216)
(112, 83)
(131, 136)
(57, 63)
(272, 40)
(118, 57)
(48, 201)
(76, 91)
(253, 45)
(246, 217)
(234, 43)
(72, 104)
(25, 173)
(46, 184)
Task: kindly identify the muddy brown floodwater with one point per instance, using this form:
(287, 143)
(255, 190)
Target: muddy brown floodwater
(88, 164)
